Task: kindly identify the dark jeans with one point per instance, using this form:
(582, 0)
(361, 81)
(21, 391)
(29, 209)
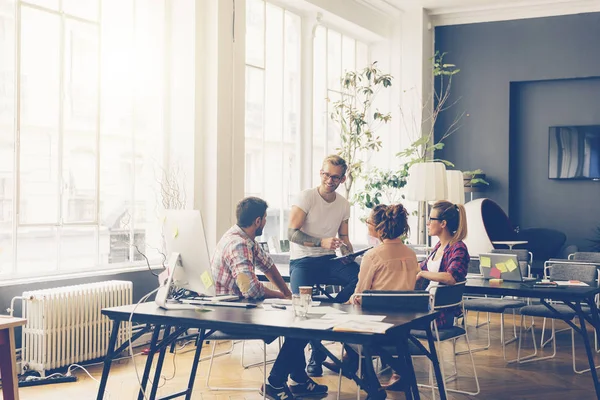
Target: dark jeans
(290, 362)
(308, 271)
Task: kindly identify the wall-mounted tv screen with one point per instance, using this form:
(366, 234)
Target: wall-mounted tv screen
(574, 152)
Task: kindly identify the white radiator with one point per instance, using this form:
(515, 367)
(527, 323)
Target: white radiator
(65, 324)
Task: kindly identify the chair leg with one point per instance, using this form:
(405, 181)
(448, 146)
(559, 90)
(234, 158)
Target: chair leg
(531, 357)
(477, 326)
(257, 364)
(583, 371)
(340, 375)
(523, 359)
(236, 389)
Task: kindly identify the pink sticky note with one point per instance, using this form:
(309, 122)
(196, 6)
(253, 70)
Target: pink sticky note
(495, 273)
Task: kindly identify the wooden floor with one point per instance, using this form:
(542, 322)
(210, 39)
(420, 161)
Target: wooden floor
(548, 380)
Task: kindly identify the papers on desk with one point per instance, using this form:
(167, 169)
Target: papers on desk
(286, 302)
(352, 317)
(571, 283)
(315, 323)
(362, 326)
(325, 310)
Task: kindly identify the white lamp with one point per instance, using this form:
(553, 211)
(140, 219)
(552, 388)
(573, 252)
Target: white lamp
(426, 182)
(456, 187)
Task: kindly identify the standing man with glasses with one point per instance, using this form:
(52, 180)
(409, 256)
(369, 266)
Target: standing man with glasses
(318, 227)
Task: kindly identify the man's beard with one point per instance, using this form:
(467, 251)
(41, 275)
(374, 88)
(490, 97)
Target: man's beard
(259, 232)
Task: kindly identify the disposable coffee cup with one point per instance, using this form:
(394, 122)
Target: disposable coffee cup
(306, 290)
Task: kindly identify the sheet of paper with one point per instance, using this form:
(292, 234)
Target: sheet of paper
(352, 317)
(286, 302)
(571, 283)
(501, 267)
(315, 323)
(485, 262)
(325, 310)
(362, 326)
(511, 265)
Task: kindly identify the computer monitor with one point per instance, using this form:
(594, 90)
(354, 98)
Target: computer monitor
(188, 257)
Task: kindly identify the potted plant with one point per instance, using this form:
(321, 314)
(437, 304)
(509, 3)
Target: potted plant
(357, 121)
(381, 186)
(475, 179)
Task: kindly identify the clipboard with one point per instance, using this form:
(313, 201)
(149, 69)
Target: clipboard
(353, 255)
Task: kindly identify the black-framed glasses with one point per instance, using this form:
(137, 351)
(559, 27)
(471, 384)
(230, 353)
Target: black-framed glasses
(334, 178)
(435, 219)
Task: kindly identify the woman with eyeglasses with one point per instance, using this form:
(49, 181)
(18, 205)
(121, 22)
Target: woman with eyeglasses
(448, 263)
(392, 265)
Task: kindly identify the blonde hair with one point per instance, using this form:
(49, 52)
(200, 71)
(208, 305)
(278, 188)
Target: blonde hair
(455, 217)
(337, 161)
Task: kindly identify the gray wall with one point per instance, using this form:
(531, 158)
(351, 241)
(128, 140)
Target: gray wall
(143, 282)
(494, 55)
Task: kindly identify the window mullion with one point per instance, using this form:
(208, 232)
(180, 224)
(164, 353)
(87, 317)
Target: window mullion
(98, 127)
(17, 136)
(61, 133)
(133, 118)
(282, 141)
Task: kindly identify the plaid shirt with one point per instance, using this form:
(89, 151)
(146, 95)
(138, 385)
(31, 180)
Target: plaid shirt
(455, 260)
(237, 255)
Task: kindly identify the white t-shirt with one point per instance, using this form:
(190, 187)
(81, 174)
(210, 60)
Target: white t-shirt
(433, 266)
(323, 220)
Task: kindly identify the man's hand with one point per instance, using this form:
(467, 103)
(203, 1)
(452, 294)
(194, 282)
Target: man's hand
(331, 243)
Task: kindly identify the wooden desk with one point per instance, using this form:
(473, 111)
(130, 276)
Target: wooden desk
(255, 322)
(8, 359)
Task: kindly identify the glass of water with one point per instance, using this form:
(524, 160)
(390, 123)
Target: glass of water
(301, 304)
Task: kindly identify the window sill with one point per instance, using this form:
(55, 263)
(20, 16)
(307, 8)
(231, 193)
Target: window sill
(58, 276)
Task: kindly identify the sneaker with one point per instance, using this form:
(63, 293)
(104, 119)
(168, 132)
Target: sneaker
(308, 388)
(314, 368)
(273, 393)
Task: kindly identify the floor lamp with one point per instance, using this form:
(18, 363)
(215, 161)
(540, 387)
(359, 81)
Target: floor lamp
(426, 182)
(456, 187)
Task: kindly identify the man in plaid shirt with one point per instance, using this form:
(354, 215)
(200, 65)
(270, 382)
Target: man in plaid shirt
(233, 265)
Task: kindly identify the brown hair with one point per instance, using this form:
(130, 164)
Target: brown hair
(337, 161)
(455, 217)
(390, 221)
(249, 209)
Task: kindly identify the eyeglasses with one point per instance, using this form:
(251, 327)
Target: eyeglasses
(435, 219)
(334, 178)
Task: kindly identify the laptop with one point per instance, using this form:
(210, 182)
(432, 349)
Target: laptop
(501, 266)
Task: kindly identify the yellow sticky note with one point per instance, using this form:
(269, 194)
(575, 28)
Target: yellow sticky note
(502, 267)
(206, 279)
(485, 262)
(176, 233)
(511, 265)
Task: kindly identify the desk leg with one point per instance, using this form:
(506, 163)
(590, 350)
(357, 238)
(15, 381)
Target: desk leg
(195, 362)
(110, 354)
(411, 390)
(159, 364)
(436, 363)
(150, 357)
(586, 340)
(8, 364)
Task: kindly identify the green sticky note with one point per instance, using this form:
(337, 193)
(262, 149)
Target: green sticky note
(176, 233)
(501, 267)
(511, 265)
(206, 279)
(485, 262)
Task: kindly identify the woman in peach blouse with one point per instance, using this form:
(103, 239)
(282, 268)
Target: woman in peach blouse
(392, 265)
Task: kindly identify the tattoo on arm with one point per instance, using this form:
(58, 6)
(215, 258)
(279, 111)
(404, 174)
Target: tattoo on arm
(301, 238)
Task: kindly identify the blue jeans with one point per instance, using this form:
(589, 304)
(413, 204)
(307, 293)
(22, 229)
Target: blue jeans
(308, 271)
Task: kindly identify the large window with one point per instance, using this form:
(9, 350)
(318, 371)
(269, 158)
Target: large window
(81, 132)
(272, 110)
(334, 54)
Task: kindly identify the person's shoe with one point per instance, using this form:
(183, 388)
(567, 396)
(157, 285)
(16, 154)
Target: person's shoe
(308, 388)
(282, 393)
(395, 384)
(314, 368)
(330, 365)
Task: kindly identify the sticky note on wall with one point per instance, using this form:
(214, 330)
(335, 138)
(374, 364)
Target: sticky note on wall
(206, 279)
(501, 267)
(485, 262)
(511, 265)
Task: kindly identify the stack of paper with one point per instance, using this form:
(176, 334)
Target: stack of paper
(362, 326)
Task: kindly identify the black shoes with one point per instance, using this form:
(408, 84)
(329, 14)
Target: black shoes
(309, 388)
(282, 393)
(314, 368)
